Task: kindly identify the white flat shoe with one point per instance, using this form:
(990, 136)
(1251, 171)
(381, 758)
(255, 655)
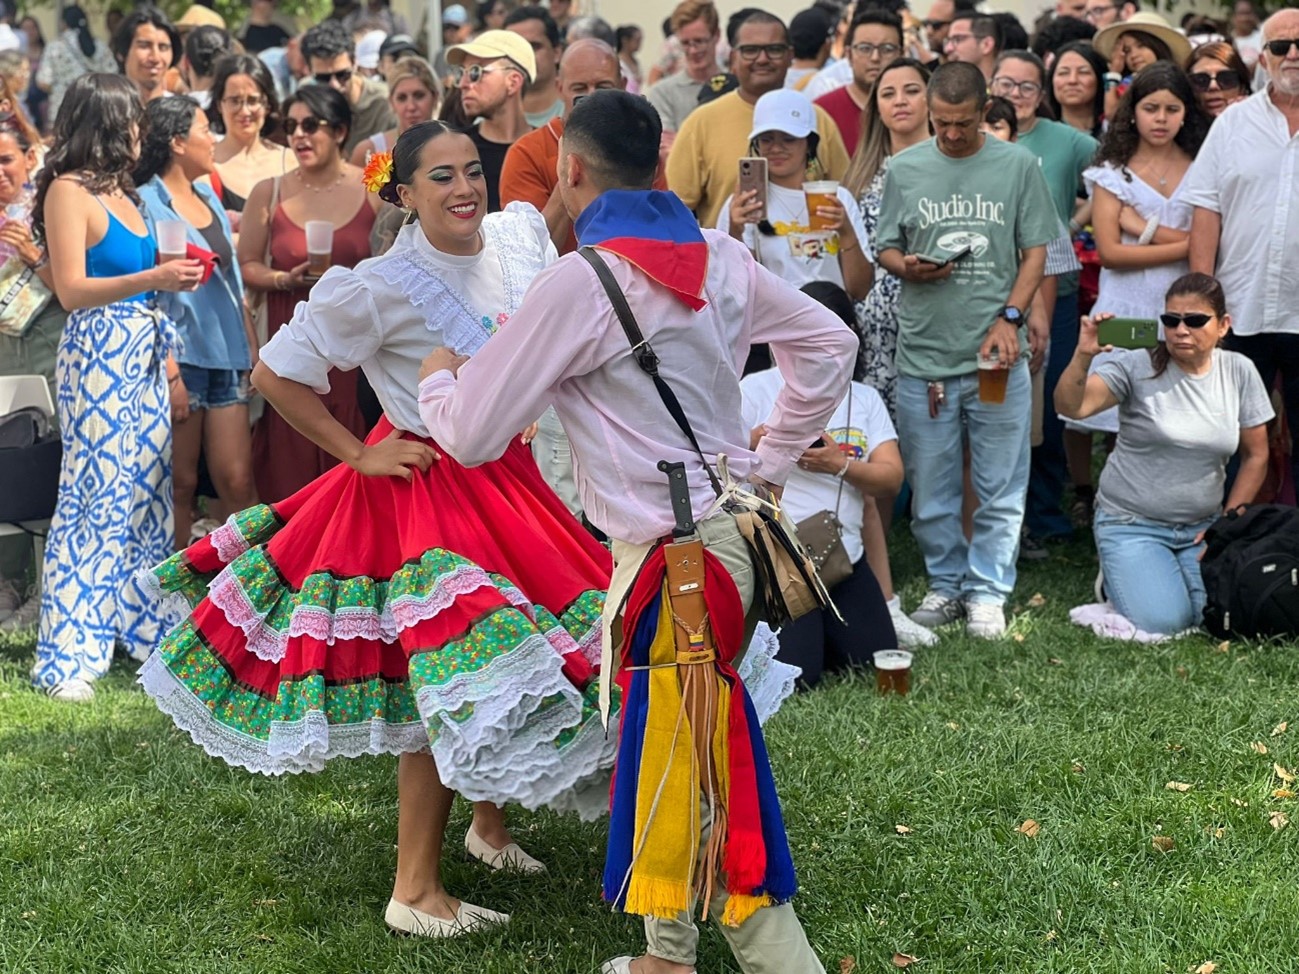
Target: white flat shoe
(71, 691)
(619, 965)
(469, 918)
(511, 857)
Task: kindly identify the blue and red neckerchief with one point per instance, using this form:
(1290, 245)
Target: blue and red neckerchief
(654, 231)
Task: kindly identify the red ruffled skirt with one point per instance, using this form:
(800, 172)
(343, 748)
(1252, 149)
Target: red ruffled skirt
(371, 615)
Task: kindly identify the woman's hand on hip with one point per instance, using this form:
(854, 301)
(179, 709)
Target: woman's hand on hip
(394, 456)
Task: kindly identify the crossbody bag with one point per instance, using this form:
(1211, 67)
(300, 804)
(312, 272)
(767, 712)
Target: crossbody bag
(787, 580)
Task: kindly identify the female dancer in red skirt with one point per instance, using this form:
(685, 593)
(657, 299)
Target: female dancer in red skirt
(402, 604)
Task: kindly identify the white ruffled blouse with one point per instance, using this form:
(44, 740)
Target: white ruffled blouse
(387, 313)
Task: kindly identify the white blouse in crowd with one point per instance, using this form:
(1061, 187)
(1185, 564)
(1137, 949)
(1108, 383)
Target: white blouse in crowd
(787, 214)
(387, 313)
(1138, 292)
(1135, 292)
(1248, 171)
(857, 432)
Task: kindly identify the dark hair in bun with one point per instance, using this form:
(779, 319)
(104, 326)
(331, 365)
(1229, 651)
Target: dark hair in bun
(405, 156)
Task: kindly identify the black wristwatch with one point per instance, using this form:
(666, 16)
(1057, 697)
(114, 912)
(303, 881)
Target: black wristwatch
(1012, 315)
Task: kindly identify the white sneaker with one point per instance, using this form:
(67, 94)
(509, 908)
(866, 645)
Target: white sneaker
(911, 635)
(202, 528)
(938, 610)
(986, 620)
(71, 691)
(10, 599)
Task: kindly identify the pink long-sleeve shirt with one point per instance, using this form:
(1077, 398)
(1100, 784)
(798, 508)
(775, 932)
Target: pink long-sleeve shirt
(565, 346)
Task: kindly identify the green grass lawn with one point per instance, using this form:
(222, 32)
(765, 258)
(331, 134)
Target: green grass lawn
(123, 848)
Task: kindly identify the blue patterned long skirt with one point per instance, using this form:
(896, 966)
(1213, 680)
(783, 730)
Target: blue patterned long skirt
(114, 511)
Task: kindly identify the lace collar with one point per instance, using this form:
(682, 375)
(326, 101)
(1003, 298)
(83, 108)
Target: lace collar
(448, 312)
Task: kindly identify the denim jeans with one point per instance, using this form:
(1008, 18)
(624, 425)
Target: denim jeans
(1152, 570)
(1049, 471)
(983, 569)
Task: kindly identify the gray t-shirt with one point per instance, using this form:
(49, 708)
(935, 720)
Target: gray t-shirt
(370, 114)
(674, 97)
(995, 202)
(1176, 434)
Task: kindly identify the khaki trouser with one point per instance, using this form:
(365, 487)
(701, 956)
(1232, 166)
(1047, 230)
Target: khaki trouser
(772, 941)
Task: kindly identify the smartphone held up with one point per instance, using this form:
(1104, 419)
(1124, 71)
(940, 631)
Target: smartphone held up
(753, 177)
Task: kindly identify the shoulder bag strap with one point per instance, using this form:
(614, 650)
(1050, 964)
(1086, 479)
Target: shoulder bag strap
(847, 432)
(275, 205)
(643, 353)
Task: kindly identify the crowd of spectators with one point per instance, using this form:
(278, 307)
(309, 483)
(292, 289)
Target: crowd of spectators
(990, 193)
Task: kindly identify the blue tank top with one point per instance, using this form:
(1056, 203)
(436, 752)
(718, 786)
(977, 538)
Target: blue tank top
(121, 251)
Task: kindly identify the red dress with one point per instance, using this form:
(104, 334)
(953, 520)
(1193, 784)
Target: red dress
(283, 459)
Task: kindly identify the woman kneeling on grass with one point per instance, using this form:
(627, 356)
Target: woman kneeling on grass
(1185, 407)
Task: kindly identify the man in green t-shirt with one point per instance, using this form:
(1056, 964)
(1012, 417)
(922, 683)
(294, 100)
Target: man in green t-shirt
(962, 193)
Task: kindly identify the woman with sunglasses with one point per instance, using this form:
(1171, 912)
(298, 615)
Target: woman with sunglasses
(1140, 222)
(403, 604)
(1184, 407)
(1219, 77)
(323, 187)
(244, 114)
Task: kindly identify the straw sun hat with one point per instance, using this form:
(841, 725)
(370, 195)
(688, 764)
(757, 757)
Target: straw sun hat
(1147, 23)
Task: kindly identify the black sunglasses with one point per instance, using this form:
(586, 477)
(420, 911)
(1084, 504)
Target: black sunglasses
(1281, 48)
(1227, 80)
(310, 125)
(342, 76)
(1193, 320)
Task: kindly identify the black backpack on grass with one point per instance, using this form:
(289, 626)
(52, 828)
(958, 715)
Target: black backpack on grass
(1251, 573)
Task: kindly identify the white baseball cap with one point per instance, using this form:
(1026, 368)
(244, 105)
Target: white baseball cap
(367, 49)
(783, 110)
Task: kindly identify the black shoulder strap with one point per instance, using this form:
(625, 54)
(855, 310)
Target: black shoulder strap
(645, 357)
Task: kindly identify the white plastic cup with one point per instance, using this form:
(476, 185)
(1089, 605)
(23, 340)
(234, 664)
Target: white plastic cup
(320, 244)
(171, 240)
(893, 671)
(822, 192)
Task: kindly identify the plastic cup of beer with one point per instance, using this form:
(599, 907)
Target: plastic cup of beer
(893, 671)
(824, 192)
(171, 240)
(992, 379)
(320, 245)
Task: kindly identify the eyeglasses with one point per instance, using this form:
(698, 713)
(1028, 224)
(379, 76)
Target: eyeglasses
(1093, 13)
(342, 76)
(870, 50)
(1204, 80)
(251, 103)
(1005, 87)
(309, 125)
(1192, 320)
(475, 72)
(751, 52)
(1282, 47)
(936, 24)
(954, 39)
